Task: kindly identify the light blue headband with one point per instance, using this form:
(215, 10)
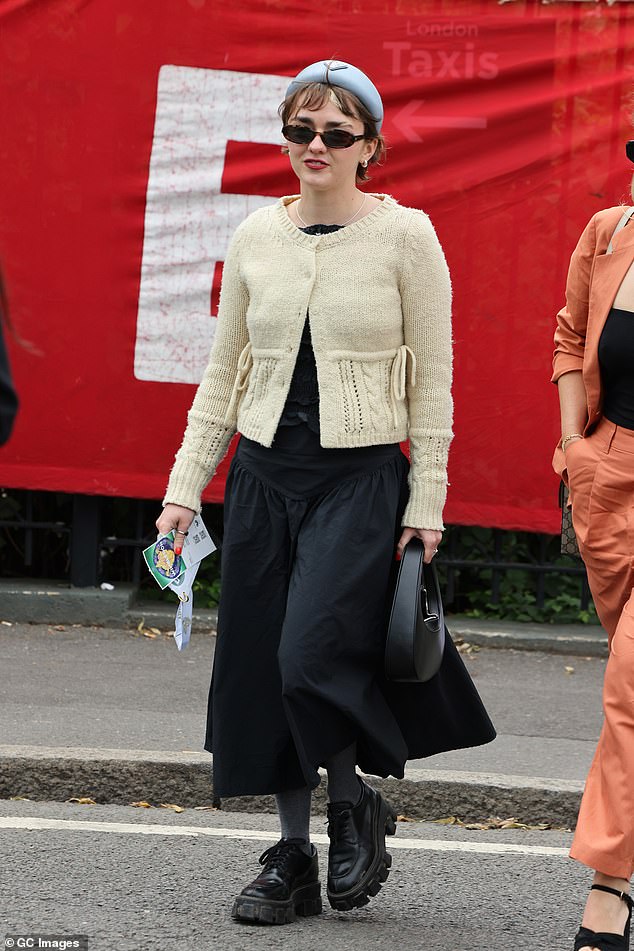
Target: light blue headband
(335, 73)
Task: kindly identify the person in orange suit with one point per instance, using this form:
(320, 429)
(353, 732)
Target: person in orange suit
(593, 369)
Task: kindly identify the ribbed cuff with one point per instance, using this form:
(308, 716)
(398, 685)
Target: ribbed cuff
(425, 506)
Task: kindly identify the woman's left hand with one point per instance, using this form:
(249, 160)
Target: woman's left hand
(430, 539)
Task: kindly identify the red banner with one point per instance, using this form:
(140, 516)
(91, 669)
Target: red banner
(135, 140)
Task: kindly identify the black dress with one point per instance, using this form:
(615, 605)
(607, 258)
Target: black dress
(307, 568)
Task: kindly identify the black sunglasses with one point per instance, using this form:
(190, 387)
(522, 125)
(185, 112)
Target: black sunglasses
(332, 139)
(629, 150)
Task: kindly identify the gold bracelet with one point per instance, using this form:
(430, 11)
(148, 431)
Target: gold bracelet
(571, 436)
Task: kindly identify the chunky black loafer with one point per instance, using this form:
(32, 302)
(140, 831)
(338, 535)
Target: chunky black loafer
(358, 862)
(288, 887)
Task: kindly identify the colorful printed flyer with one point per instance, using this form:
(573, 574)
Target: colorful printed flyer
(164, 564)
(178, 572)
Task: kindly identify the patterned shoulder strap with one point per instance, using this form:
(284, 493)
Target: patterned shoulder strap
(625, 217)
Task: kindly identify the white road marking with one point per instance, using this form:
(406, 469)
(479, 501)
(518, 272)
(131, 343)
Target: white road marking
(32, 823)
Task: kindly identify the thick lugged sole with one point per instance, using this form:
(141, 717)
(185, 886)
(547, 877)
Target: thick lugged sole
(303, 903)
(371, 883)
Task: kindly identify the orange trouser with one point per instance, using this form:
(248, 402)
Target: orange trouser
(601, 474)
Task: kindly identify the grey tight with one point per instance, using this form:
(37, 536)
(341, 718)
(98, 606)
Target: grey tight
(293, 806)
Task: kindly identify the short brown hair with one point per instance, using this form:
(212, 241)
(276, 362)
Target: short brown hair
(316, 95)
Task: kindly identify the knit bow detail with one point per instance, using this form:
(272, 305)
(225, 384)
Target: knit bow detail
(398, 377)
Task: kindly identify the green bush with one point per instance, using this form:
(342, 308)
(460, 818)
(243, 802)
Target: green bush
(207, 583)
(516, 597)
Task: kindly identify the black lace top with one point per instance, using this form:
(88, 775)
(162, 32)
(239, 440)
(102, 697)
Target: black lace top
(302, 402)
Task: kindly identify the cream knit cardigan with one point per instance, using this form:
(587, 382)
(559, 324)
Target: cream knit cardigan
(379, 297)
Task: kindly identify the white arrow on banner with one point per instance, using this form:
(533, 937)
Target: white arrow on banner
(408, 119)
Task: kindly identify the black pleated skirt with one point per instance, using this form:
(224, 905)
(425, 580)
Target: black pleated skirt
(307, 571)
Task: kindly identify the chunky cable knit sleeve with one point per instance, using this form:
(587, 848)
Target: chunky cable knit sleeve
(426, 304)
(211, 421)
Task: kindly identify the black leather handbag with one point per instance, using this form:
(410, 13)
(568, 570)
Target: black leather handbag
(416, 631)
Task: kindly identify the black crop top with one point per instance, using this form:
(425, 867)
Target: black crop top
(616, 359)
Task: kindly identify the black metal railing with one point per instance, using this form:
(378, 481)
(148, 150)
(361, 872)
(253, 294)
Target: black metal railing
(85, 540)
(496, 558)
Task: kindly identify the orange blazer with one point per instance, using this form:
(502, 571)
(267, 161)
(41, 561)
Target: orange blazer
(594, 278)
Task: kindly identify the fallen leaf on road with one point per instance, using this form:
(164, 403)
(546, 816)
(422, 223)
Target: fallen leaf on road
(405, 819)
(82, 800)
(142, 804)
(59, 627)
(569, 670)
(146, 631)
(464, 647)
(206, 808)
(7, 623)
(172, 806)
(19, 799)
(494, 822)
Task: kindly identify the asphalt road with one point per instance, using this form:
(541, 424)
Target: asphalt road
(80, 687)
(152, 880)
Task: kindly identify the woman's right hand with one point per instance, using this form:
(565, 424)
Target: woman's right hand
(175, 517)
(567, 451)
(571, 440)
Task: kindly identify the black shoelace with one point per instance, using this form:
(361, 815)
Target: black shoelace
(338, 823)
(278, 856)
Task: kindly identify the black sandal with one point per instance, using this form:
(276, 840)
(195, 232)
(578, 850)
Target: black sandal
(605, 940)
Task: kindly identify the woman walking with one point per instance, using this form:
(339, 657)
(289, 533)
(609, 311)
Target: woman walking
(333, 344)
(594, 357)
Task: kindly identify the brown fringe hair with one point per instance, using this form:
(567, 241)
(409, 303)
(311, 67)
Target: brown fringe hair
(316, 95)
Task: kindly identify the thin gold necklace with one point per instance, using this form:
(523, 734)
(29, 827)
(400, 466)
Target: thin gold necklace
(343, 223)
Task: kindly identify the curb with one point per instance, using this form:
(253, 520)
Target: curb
(578, 639)
(155, 614)
(121, 777)
(53, 603)
(585, 640)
